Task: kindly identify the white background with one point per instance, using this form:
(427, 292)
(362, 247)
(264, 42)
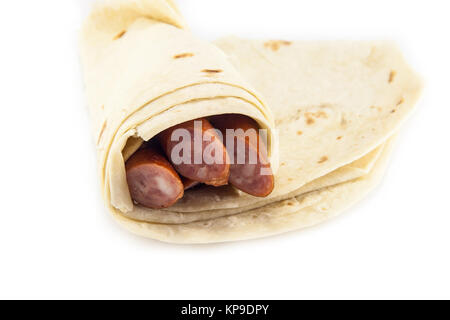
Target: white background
(58, 241)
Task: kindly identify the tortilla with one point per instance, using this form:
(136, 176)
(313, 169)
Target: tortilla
(143, 76)
(278, 217)
(329, 108)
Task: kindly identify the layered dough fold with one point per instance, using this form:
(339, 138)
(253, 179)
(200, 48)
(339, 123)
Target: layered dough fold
(330, 109)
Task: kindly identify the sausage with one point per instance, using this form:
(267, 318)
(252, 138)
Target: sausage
(152, 181)
(194, 157)
(253, 173)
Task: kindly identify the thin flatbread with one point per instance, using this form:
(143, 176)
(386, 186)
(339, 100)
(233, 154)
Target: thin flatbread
(330, 109)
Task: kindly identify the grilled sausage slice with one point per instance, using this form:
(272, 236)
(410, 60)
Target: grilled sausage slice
(152, 180)
(197, 152)
(250, 170)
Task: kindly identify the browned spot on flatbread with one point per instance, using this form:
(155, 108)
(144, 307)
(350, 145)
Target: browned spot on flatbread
(311, 115)
(323, 159)
(102, 130)
(339, 138)
(299, 132)
(399, 103)
(275, 45)
(343, 121)
(120, 35)
(378, 108)
(183, 55)
(321, 114)
(102, 107)
(392, 75)
(212, 71)
(318, 114)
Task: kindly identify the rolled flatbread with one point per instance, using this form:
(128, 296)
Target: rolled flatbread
(330, 110)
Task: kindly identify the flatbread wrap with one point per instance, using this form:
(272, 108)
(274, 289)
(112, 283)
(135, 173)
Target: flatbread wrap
(330, 110)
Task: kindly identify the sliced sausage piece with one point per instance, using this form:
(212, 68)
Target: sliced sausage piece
(250, 170)
(152, 181)
(197, 152)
